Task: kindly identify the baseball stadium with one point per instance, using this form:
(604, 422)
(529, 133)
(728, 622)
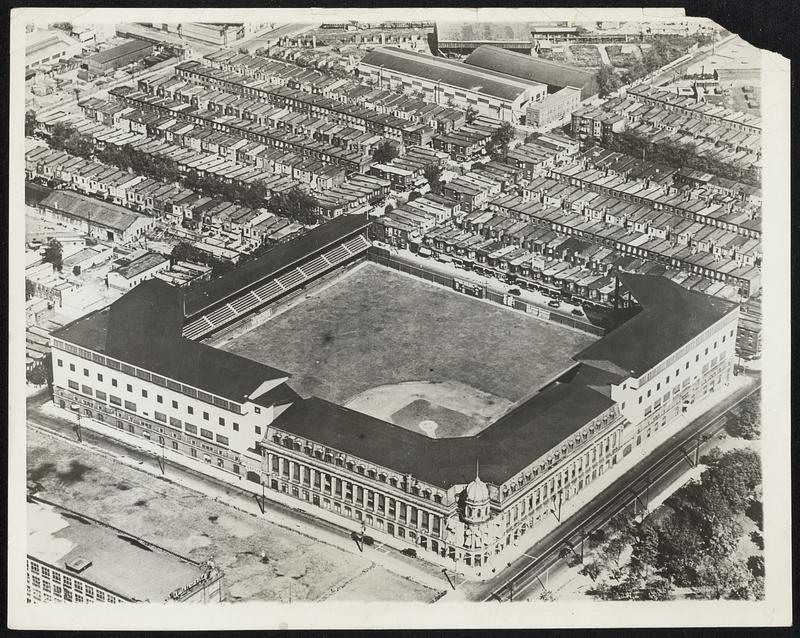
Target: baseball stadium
(389, 404)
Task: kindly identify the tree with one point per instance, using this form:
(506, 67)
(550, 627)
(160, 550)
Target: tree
(433, 174)
(737, 473)
(294, 204)
(30, 289)
(756, 565)
(722, 578)
(644, 550)
(385, 152)
(30, 122)
(471, 114)
(591, 569)
(53, 254)
(747, 423)
(64, 26)
(607, 80)
(414, 195)
(497, 146)
(657, 589)
(37, 375)
(76, 270)
(388, 209)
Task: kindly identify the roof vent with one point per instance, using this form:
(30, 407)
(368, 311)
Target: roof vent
(79, 564)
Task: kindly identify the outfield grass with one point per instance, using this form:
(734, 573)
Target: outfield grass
(376, 326)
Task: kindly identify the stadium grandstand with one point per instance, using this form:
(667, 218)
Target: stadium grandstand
(221, 302)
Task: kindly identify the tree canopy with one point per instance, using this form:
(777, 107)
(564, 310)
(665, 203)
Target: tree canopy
(497, 146)
(53, 254)
(433, 174)
(294, 204)
(385, 152)
(747, 422)
(608, 80)
(30, 122)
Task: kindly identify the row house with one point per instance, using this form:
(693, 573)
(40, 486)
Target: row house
(471, 190)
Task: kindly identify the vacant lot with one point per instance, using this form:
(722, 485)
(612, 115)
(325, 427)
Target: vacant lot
(377, 327)
(262, 561)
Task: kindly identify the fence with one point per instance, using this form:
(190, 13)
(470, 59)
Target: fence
(384, 259)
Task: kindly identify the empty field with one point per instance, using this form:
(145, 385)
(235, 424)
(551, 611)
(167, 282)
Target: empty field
(384, 341)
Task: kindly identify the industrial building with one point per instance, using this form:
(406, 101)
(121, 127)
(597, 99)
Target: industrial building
(48, 47)
(444, 81)
(116, 56)
(75, 559)
(135, 370)
(95, 217)
(555, 75)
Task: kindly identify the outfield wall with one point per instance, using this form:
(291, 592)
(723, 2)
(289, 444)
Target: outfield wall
(498, 298)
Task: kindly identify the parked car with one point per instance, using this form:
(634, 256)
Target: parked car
(577, 312)
(554, 303)
(514, 291)
(409, 552)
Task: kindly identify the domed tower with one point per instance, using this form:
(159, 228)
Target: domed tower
(476, 502)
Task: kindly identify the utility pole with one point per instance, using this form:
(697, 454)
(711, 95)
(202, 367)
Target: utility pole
(78, 428)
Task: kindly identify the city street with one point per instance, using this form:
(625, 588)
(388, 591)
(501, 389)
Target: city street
(333, 543)
(661, 468)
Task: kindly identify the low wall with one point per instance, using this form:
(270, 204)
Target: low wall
(498, 298)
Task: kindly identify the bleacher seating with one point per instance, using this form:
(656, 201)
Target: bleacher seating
(265, 293)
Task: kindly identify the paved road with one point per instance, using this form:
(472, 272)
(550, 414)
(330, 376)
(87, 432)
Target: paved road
(662, 467)
(276, 512)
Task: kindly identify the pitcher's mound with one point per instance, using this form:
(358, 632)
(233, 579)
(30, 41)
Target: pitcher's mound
(438, 409)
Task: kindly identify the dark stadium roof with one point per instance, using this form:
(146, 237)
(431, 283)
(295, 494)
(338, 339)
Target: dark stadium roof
(450, 72)
(143, 328)
(206, 294)
(504, 448)
(671, 317)
(553, 74)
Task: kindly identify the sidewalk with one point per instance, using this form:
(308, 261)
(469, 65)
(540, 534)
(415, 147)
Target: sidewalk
(231, 494)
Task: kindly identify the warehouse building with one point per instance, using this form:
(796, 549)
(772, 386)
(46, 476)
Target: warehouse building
(554, 74)
(117, 56)
(444, 81)
(95, 217)
(76, 559)
(48, 47)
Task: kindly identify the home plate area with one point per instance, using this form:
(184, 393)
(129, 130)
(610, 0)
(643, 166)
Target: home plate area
(438, 409)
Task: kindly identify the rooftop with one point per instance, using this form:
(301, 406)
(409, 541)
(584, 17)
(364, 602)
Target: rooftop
(121, 50)
(554, 74)
(122, 564)
(671, 317)
(449, 72)
(92, 210)
(144, 328)
(141, 264)
(200, 297)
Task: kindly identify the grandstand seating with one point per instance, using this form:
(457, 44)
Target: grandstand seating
(252, 299)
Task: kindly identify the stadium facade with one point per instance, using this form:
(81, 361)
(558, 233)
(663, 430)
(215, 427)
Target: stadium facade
(136, 370)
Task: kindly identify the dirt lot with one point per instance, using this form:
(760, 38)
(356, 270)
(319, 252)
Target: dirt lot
(376, 327)
(370, 584)
(261, 560)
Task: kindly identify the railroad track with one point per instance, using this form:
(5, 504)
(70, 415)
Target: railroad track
(621, 499)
